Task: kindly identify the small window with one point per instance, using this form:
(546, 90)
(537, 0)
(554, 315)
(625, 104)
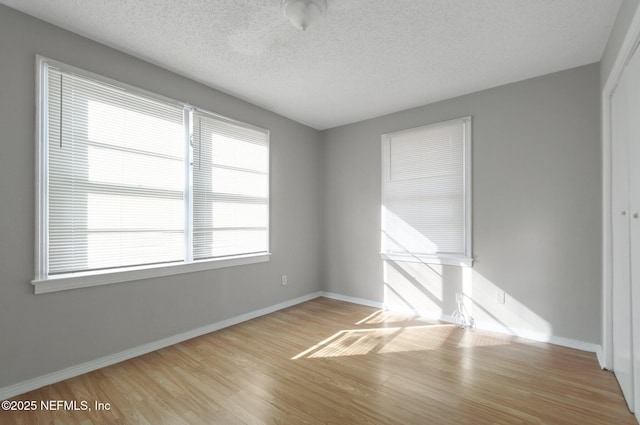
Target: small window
(426, 194)
(131, 181)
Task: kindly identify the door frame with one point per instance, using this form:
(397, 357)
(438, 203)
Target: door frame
(631, 40)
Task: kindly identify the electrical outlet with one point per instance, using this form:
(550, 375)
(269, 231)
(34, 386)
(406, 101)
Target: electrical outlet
(284, 280)
(458, 297)
(500, 297)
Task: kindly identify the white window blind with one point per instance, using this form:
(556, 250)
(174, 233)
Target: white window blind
(426, 193)
(130, 182)
(115, 177)
(230, 188)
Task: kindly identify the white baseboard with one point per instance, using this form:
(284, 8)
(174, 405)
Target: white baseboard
(70, 372)
(540, 337)
(353, 300)
(601, 358)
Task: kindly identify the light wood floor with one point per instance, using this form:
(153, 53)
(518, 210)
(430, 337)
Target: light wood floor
(331, 362)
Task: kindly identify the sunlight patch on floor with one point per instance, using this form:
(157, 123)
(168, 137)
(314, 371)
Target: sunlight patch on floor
(360, 342)
(474, 338)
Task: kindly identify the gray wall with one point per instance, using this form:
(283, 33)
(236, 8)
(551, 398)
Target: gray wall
(40, 334)
(536, 163)
(618, 32)
(536, 209)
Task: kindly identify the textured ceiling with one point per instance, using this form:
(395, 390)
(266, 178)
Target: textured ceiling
(365, 59)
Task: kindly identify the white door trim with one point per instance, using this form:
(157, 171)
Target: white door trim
(631, 40)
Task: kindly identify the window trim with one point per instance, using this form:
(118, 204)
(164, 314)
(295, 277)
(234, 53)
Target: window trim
(454, 259)
(44, 283)
(128, 274)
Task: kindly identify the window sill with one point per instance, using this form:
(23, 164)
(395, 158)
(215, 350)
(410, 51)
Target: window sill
(84, 280)
(449, 260)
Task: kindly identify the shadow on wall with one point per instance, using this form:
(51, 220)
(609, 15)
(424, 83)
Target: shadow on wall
(429, 290)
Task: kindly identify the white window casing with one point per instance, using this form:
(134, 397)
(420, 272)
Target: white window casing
(132, 185)
(426, 194)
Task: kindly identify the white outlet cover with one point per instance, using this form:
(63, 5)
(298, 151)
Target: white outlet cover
(500, 297)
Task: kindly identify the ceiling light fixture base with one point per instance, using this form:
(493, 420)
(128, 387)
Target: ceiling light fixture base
(304, 13)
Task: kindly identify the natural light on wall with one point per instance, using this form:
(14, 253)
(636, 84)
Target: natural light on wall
(429, 291)
(426, 233)
(482, 299)
(413, 288)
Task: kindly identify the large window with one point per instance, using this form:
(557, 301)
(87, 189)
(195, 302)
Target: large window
(132, 185)
(426, 194)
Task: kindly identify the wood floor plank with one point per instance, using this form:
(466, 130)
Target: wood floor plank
(332, 362)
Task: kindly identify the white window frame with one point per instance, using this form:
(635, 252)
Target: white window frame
(43, 283)
(464, 259)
